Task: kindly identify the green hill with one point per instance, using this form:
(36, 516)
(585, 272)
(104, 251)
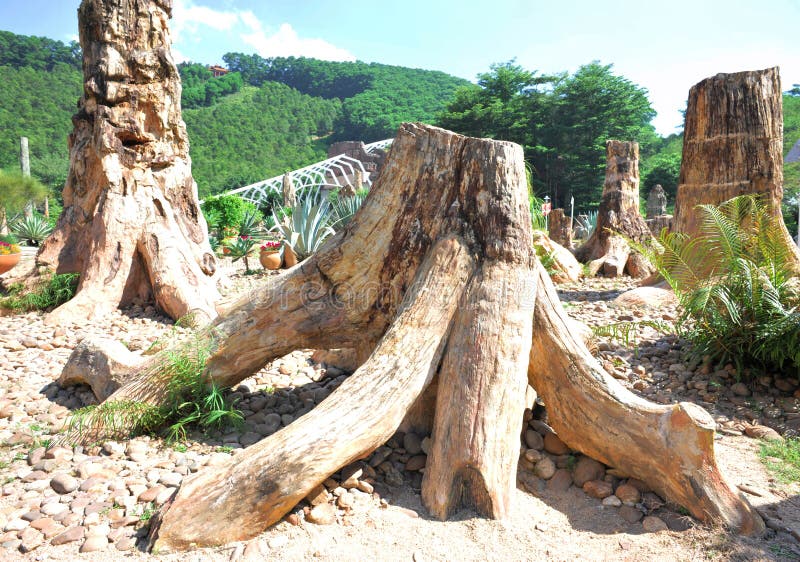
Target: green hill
(266, 117)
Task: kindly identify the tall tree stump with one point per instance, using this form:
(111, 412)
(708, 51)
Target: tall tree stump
(559, 228)
(131, 226)
(436, 276)
(733, 145)
(606, 251)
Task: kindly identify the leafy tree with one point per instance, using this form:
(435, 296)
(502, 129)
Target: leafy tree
(663, 169)
(16, 191)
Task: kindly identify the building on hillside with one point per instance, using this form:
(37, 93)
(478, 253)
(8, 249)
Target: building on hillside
(218, 71)
(794, 154)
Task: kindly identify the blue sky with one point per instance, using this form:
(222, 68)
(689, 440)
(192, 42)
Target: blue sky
(665, 46)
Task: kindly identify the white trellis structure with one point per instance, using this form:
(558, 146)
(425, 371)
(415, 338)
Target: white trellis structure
(331, 173)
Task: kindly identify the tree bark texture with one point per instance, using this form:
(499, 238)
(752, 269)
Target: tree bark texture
(732, 145)
(436, 275)
(606, 251)
(560, 228)
(132, 225)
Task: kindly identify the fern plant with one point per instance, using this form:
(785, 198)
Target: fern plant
(734, 284)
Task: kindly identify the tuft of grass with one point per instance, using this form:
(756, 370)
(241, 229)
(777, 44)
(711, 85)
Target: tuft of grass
(191, 401)
(47, 295)
(782, 458)
(627, 333)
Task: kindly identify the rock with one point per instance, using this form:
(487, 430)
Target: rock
(31, 539)
(612, 501)
(125, 543)
(94, 543)
(565, 267)
(545, 468)
(740, 389)
(653, 297)
(345, 500)
(653, 524)
(628, 494)
(417, 462)
(554, 445)
(323, 514)
(599, 489)
(318, 495)
(587, 469)
(151, 493)
(70, 535)
(171, 479)
(426, 445)
(412, 443)
(103, 364)
(16, 525)
(630, 514)
(64, 483)
(351, 474)
(534, 440)
(762, 432)
(561, 481)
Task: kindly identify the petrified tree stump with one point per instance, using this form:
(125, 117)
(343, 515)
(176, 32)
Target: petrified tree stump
(438, 288)
(733, 145)
(560, 228)
(606, 251)
(132, 225)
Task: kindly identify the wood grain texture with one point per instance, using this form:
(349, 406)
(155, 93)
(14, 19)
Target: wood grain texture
(131, 225)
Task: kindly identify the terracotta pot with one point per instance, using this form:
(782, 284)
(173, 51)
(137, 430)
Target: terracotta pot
(289, 257)
(8, 261)
(270, 259)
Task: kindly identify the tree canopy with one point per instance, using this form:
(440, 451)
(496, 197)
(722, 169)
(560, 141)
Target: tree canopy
(562, 121)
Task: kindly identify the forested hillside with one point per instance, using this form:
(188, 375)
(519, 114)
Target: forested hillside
(266, 117)
(271, 115)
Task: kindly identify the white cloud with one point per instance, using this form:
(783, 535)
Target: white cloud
(188, 17)
(285, 42)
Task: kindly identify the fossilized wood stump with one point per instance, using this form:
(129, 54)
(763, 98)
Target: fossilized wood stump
(733, 145)
(606, 251)
(132, 225)
(443, 289)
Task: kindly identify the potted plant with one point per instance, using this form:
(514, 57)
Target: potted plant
(270, 256)
(9, 253)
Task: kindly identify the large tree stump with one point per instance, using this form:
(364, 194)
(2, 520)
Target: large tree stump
(733, 145)
(559, 228)
(606, 251)
(132, 226)
(435, 274)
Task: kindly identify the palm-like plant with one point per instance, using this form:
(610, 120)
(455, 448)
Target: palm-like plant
(344, 208)
(307, 227)
(241, 248)
(734, 285)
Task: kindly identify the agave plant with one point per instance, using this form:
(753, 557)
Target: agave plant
(249, 225)
(344, 208)
(33, 228)
(735, 285)
(306, 228)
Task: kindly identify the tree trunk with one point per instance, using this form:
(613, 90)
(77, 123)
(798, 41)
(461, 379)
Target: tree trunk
(436, 275)
(606, 251)
(733, 145)
(132, 226)
(560, 228)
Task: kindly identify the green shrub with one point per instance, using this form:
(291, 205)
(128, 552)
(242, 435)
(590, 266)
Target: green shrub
(734, 284)
(226, 212)
(53, 291)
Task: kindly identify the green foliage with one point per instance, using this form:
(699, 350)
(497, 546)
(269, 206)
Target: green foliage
(51, 292)
(343, 208)
(562, 121)
(662, 169)
(33, 228)
(307, 227)
(242, 248)
(9, 239)
(538, 218)
(734, 284)
(191, 401)
(227, 212)
(782, 458)
(202, 89)
(251, 220)
(16, 191)
(627, 333)
(38, 53)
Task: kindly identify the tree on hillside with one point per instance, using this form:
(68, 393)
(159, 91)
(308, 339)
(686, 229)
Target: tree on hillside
(562, 121)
